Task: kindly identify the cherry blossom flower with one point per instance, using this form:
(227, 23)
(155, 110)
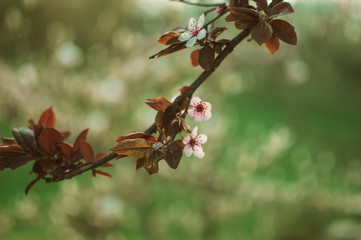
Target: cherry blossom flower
(194, 143)
(200, 110)
(194, 31)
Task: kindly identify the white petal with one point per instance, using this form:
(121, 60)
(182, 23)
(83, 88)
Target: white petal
(202, 33)
(207, 115)
(188, 150)
(185, 36)
(208, 106)
(195, 101)
(194, 132)
(192, 111)
(191, 42)
(192, 24)
(201, 138)
(186, 139)
(201, 21)
(198, 152)
(198, 117)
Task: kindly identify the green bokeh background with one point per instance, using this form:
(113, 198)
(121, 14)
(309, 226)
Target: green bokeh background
(283, 157)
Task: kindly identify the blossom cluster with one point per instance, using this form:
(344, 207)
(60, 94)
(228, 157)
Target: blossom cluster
(193, 141)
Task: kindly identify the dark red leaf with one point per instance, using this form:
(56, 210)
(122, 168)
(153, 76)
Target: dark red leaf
(139, 163)
(183, 89)
(171, 49)
(151, 139)
(87, 151)
(195, 58)
(13, 156)
(47, 118)
(65, 149)
(284, 31)
(173, 154)
(25, 138)
(65, 134)
(274, 3)
(262, 4)
(164, 39)
(48, 139)
(132, 147)
(169, 115)
(238, 3)
(206, 58)
(261, 32)
(158, 103)
(244, 15)
(230, 18)
(282, 8)
(273, 44)
(8, 141)
(81, 137)
(102, 173)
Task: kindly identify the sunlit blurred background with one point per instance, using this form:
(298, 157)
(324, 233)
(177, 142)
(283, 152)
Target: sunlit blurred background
(283, 157)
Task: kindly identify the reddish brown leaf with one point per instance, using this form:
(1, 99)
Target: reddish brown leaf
(152, 169)
(159, 120)
(274, 3)
(284, 31)
(238, 3)
(102, 173)
(25, 138)
(81, 137)
(65, 149)
(8, 141)
(158, 103)
(132, 147)
(173, 128)
(217, 31)
(262, 4)
(195, 58)
(173, 154)
(48, 138)
(206, 58)
(245, 15)
(65, 134)
(183, 89)
(169, 115)
(261, 32)
(151, 139)
(139, 163)
(164, 39)
(13, 156)
(230, 18)
(282, 8)
(171, 49)
(273, 44)
(47, 118)
(87, 151)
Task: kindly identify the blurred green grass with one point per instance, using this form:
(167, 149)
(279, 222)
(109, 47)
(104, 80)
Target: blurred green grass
(283, 153)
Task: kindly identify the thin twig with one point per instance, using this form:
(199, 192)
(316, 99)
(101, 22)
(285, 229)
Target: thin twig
(192, 88)
(197, 4)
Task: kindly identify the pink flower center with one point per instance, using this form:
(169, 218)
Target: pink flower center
(195, 32)
(200, 108)
(192, 142)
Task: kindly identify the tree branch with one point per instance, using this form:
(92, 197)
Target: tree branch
(152, 129)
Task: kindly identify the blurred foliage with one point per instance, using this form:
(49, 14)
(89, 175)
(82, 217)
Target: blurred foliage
(283, 156)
